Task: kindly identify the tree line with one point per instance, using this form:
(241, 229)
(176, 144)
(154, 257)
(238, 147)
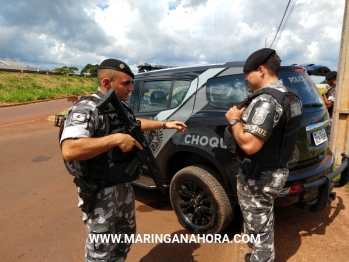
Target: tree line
(88, 69)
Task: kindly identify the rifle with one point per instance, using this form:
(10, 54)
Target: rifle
(133, 128)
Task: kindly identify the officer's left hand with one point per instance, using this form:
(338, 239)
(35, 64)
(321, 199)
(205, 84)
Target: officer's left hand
(180, 126)
(234, 113)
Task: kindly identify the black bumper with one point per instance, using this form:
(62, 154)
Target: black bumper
(325, 186)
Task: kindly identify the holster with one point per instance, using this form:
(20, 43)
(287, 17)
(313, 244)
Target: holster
(87, 192)
(252, 171)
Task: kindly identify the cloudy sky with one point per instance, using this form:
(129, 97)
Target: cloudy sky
(48, 34)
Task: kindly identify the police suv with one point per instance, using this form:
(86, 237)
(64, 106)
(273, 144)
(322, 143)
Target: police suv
(200, 169)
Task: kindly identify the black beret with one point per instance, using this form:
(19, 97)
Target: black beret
(331, 75)
(257, 58)
(116, 65)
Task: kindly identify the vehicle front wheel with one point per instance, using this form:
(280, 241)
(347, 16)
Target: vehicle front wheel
(200, 201)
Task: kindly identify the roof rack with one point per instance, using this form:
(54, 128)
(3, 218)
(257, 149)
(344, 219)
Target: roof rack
(145, 67)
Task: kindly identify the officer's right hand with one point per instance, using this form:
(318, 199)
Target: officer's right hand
(234, 113)
(127, 142)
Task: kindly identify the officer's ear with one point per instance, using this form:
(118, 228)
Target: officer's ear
(265, 71)
(106, 82)
(261, 70)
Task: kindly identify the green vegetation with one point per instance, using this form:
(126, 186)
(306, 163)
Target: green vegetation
(90, 69)
(22, 88)
(321, 90)
(66, 69)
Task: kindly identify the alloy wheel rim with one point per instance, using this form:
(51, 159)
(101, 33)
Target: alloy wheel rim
(195, 203)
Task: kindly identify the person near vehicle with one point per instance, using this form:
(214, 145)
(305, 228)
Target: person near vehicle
(101, 151)
(258, 129)
(329, 94)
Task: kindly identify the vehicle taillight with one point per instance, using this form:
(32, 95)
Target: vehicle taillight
(295, 189)
(299, 70)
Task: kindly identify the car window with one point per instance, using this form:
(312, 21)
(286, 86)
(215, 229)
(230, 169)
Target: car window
(180, 89)
(303, 86)
(160, 95)
(224, 92)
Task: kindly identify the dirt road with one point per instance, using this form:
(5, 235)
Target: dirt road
(39, 220)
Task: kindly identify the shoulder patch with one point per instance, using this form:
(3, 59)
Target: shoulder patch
(259, 116)
(79, 117)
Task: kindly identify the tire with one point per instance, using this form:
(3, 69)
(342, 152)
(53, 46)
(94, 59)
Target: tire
(199, 200)
(69, 165)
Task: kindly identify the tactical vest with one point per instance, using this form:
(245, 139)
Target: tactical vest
(109, 166)
(278, 149)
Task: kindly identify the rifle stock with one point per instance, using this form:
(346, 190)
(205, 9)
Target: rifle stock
(133, 128)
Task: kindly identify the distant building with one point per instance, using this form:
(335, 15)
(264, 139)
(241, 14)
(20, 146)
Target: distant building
(15, 65)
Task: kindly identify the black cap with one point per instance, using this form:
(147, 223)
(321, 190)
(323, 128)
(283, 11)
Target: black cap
(116, 65)
(257, 58)
(331, 75)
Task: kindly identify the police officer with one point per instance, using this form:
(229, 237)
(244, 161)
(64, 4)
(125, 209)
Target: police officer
(329, 94)
(101, 150)
(259, 128)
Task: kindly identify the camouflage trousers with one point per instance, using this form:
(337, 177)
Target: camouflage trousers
(256, 199)
(114, 213)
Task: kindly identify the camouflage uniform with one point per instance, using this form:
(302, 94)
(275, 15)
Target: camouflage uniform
(114, 213)
(114, 206)
(256, 199)
(256, 196)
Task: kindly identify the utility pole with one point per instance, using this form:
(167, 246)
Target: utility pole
(339, 141)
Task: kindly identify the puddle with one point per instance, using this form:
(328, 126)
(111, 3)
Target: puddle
(41, 159)
(154, 206)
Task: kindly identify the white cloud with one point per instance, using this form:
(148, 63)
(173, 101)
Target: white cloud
(175, 32)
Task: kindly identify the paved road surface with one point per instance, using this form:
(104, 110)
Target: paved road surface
(39, 220)
(23, 113)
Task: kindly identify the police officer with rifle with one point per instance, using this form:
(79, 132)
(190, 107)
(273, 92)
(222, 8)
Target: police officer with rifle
(263, 129)
(105, 141)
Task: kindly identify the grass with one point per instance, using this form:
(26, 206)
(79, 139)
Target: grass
(24, 88)
(321, 90)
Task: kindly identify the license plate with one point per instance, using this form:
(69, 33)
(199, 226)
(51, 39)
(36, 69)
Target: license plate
(320, 136)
